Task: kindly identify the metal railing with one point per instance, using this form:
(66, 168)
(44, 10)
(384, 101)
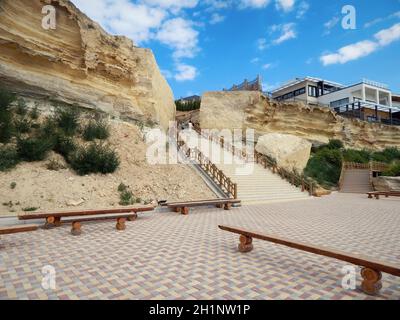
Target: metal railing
(357, 110)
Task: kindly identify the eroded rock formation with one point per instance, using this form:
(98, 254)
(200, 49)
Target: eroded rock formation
(245, 109)
(289, 151)
(79, 63)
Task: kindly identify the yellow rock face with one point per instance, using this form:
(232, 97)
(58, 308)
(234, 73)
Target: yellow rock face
(79, 63)
(244, 109)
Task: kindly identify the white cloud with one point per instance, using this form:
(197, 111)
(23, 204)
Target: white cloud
(178, 34)
(394, 15)
(363, 48)
(267, 66)
(302, 9)
(255, 60)
(350, 52)
(172, 4)
(257, 4)
(387, 36)
(262, 44)
(185, 72)
(330, 25)
(287, 32)
(216, 18)
(136, 21)
(285, 5)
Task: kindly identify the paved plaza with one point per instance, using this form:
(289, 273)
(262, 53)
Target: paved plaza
(170, 256)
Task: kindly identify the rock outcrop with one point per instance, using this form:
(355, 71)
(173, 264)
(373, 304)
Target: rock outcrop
(79, 63)
(386, 183)
(245, 109)
(290, 152)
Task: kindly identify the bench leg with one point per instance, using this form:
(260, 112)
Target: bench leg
(377, 197)
(372, 283)
(177, 210)
(121, 224)
(57, 222)
(50, 223)
(220, 206)
(133, 218)
(228, 206)
(76, 229)
(246, 244)
(370, 196)
(185, 211)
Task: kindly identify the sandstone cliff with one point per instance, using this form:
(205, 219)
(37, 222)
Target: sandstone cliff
(245, 109)
(79, 63)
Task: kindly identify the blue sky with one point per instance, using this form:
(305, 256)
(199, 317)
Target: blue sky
(204, 45)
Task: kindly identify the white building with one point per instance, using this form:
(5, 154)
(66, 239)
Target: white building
(367, 100)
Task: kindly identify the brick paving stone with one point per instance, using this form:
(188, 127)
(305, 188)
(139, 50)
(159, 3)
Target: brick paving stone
(170, 256)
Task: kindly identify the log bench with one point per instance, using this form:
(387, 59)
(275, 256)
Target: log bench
(183, 207)
(387, 194)
(371, 271)
(56, 219)
(18, 229)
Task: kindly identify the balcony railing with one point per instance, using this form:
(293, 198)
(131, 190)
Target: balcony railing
(358, 110)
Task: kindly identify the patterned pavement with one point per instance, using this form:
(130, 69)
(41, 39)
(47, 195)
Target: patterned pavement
(169, 256)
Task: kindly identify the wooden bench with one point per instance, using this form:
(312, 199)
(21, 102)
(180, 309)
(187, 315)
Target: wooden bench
(54, 219)
(18, 229)
(371, 268)
(387, 194)
(183, 207)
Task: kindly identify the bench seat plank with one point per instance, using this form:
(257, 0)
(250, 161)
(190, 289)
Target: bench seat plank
(94, 219)
(321, 250)
(202, 203)
(18, 229)
(59, 214)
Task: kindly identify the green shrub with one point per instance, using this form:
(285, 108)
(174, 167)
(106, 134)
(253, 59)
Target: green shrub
(325, 167)
(21, 108)
(122, 187)
(188, 105)
(96, 130)
(34, 113)
(358, 156)
(34, 149)
(8, 158)
(13, 185)
(22, 126)
(6, 125)
(393, 171)
(29, 209)
(387, 156)
(96, 158)
(6, 98)
(64, 146)
(67, 119)
(49, 127)
(127, 198)
(335, 144)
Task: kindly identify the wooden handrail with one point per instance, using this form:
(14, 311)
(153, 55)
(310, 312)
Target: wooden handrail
(218, 176)
(298, 181)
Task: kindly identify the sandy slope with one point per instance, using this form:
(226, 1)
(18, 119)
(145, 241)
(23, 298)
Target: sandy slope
(39, 187)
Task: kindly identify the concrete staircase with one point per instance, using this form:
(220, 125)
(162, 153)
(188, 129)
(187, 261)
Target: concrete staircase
(262, 186)
(256, 184)
(356, 181)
